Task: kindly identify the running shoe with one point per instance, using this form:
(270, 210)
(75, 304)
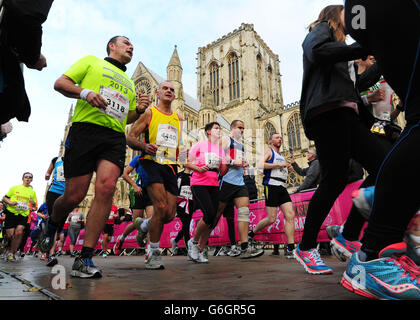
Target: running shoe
(344, 249)
(222, 252)
(51, 261)
(118, 245)
(202, 258)
(233, 252)
(288, 254)
(11, 257)
(104, 255)
(251, 252)
(193, 250)
(393, 276)
(311, 261)
(174, 247)
(141, 235)
(46, 241)
(363, 200)
(333, 231)
(84, 268)
(154, 260)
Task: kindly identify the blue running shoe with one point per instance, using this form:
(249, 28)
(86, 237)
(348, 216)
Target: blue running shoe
(363, 200)
(343, 249)
(394, 276)
(311, 261)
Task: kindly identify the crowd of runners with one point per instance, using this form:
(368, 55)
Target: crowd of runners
(343, 87)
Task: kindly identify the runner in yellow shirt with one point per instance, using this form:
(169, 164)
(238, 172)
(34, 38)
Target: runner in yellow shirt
(19, 200)
(160, 128)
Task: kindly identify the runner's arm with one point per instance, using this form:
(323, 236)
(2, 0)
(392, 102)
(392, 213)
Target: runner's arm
(133, 137)
(67, 87)
(144, 102)
(49, 171)
(127, 178)
(8, 202)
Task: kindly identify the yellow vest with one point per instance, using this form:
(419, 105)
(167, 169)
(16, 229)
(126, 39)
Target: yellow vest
(163, 130)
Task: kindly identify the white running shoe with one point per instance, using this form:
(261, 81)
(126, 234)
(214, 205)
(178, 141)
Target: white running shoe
(154, 260)
(193, 250)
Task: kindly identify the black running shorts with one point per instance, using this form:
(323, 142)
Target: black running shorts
(140, 202)
(160, 173)
(230, 191)
(275, 196)
(88, 143)
(13, 220)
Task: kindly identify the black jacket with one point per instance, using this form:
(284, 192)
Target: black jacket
(326, 77)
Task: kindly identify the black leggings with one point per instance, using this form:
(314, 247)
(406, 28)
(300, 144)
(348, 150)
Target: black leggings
(185, 218)
(229, 214)
(339, 135)
(395, 202)
(207, 200)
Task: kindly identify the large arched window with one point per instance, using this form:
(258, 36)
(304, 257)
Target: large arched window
(233, 65)
(269, 130)
(293, 132)
(214, 83)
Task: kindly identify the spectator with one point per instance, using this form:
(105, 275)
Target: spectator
(21, 41)
(77, 220)
(312, 173)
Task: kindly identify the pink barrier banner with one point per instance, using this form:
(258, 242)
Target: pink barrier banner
(272, 234)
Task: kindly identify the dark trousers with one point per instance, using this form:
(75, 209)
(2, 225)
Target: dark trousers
(395, 202)
(339, 135)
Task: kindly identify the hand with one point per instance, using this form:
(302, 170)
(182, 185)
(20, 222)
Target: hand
(294, 190)
(47, 176)
(96, 100)
(290, 168)
(292, 159)
(239, 163)
(151, 148)
(137, 190)
(13, 203)
(377, 96)
(144, 102)
(40, 64)
(202, 169)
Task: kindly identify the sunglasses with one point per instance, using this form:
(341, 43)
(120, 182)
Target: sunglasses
(28, 177)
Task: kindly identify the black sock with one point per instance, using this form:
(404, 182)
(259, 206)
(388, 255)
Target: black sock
(276, 247)
(87, 252)
(251, 234)
(290, 246)
(244, 246)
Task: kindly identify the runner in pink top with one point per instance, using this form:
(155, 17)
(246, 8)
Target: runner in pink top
(207, 160)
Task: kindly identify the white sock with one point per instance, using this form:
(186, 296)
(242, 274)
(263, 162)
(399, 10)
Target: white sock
(153, 246)
(145, 225)
(416, 239)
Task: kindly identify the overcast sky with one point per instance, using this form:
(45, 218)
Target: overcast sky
(76, 28)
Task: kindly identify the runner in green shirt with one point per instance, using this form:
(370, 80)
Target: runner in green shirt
(96, 142)
(19, 199)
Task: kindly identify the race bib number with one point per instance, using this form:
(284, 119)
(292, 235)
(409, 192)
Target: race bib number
(186, 192)
(118, 104)
(167, 136)
(284, 173)
(22, 206)
(212, 160)
(60, 174)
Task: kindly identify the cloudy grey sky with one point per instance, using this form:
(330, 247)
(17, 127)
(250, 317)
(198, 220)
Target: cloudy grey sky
(75, 28)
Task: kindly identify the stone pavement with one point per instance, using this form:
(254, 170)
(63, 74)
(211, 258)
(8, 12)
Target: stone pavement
(224, 278)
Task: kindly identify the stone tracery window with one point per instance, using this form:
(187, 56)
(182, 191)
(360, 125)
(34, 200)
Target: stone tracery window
(269, 130)
(293, 132)
(233, 65)
(214, 83)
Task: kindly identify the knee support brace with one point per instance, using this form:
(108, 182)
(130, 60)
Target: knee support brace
(243, 214)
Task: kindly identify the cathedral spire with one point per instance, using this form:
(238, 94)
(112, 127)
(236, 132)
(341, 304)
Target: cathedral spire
(175, 61)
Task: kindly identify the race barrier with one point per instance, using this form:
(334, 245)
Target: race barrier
(272, 234)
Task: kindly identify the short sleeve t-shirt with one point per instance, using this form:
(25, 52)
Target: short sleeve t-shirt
(109, 81)
(211, 155)
(135, 163)
(21, 195)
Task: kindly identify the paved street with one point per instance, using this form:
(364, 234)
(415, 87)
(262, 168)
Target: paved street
(224, 278)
